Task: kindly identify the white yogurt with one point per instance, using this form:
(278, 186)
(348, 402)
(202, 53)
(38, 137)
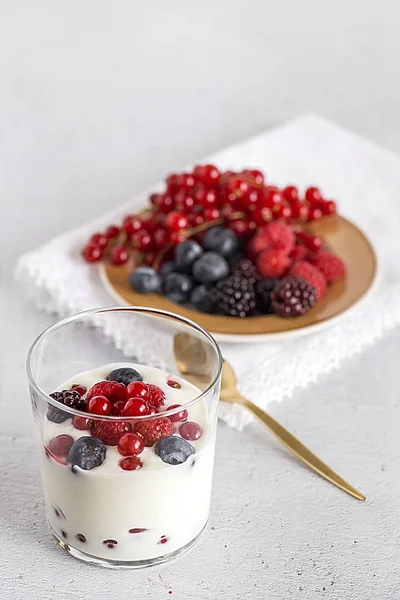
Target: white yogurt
(167, 502)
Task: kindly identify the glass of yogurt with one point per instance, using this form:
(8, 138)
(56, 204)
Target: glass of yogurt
(125, 401)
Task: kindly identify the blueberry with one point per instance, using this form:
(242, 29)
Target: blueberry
(87, 453)
(168, 267)
(145, 280)
(186, 253)
(220, 240)
(177, 286)
(124, 375)
(201, 298)
(173, 450)
(210, 267)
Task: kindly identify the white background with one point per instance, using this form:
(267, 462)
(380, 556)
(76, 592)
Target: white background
(98, 100)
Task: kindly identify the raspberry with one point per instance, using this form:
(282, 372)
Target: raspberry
(110, 433)
(273, 263)
(311, 275)
(276, 235)
(298, 253)
(112, 390)
(157, 396)
(331, 266)
(154, 429)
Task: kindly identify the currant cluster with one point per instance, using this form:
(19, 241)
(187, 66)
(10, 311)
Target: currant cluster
(192, 202)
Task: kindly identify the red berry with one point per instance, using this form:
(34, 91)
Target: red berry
(109, 432)
(300, 211)
(163, 540)
(119, 255)
(237, 185)
(138, 389)
(79, 388)
(271, 197)
(276, 235)
(176, 221)
(153, 430)
(329, 207)
(130, 443)
(298, 253)
(240, 228)
(135, 407)
(314, 213)
(312, 242)
(176, 237)
(99, 239)
(142, 241)
(210, 214)
(182, 415)
(113, 390)
(255, 175)
(291, 194)
(205, 198)
(150, 258)
(117, 408)
(131, 463)
(81, 423)
(165, 204)
(208, 175)
(131, 225)
(154, 199)
(282, 212)
(186, 181)
(174, 384)
(172, 182)
(331, 266)
(311, 275)
(313, 195)
(60, 446)
(156, 396)
(161, 238)
(112, 232)
(92, 253)
(196, 219)
(186, 204)
(99, 405)
(273, 263)
(190, 431)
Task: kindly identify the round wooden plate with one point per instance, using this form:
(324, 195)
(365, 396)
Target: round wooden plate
(344, 239)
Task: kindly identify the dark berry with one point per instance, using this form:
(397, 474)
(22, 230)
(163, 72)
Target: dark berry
(202, 300)
(145, 280)
(293, 297)
(80, 389)
(55, 415)
(173, 450)
(186, 253)
(124, 375)
(70, 398)
(190, 430)
(264, 287)
(247, 269)
(87, 453)
(210, 267)
(220, 240)
(234, 296)
(177, 286)
(168, 267)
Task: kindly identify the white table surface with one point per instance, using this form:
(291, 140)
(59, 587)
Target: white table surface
(98, 100)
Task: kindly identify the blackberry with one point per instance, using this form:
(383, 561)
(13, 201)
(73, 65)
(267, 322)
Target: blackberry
(234, 296)
(264, 287)
(293, 297)
(246, 268)
(68, 398)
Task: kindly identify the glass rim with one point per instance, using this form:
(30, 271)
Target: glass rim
(127, 309)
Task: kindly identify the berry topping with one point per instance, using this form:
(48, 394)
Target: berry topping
(145, 280)
(220, 240)
(177, 286)
(87, 453)
(81, 423)
(293, 297)
(99, 405)
(117, 408)
(210, 267)
(273, 263)
(173, 450)
(311, 275)
(331, 266)
(80, 537)
(264, 287)
(69, 398)
(79, 389)
(174, 384)
(137, 389)
(110, 543)
(124, 375)
(190, 431)
(153, 430)
(182, 415)
(157, 396)
(131, 463)
(137, 530)
(110, 433)
(186, 253)
(60, 446)
(130, 444)
(113, 390)
(135, 407)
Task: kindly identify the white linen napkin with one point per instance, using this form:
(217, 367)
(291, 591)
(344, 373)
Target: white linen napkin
(365, 181)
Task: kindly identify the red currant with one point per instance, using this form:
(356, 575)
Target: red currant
(238, 186)
(282, 212)
(92, 253)
(176, 221)
(138, 389)
(261, 215)
(155, 199)
(135, 407)
(291, 193)
(112, 232)
(60, 446)
(186, 181)
(190, 430)
(182, 415)
(177, 237)
(118, 255)
(150, 258)
(142, 241)
(161, 238)
(312, 242)
(117, 408)
(196, 219)
(79, 388)
(300, 211)
(165, 204)
(99, 239)
(205, 198)
(315, 213)
(187, 204)
(229, 212)
(130, 443)
(131, 224)
(149, 224)
(81, 423)
(329, 207)
(130, 463)
(255, 175)
(208, 175)
(242, 228)
(99, 405)
(210, 214)
(313, 195)
(172, 182)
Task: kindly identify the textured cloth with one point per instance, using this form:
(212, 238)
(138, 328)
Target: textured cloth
(362, 177)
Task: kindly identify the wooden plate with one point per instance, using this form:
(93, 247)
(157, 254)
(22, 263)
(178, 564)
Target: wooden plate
(345, 240)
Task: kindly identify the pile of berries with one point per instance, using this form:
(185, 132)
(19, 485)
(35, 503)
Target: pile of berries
(191, 202)
(123, 394)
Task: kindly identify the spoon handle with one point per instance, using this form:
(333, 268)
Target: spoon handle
(301, 451)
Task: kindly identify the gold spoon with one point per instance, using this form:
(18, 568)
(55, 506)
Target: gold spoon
(191, 358)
